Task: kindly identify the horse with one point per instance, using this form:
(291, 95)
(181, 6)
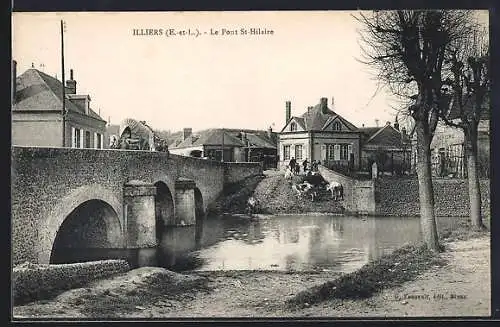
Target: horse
(336, 189)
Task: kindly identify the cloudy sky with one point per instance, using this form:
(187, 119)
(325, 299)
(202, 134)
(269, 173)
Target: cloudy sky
(232, 81)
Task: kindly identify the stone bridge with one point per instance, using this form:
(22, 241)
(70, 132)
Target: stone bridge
(66, 200)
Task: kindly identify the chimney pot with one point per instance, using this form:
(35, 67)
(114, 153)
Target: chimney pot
(71, 84)
(324, 105)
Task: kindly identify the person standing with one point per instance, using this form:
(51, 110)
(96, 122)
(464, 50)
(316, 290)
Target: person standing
(292, 164)
(304, 165)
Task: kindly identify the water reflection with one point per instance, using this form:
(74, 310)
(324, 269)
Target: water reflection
(291, 243)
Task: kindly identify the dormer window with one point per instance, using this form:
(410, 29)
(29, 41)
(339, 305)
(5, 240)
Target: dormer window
(293, 127)
(337, 126)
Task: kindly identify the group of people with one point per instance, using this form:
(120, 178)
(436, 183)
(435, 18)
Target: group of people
(294, 166)
(313, 181)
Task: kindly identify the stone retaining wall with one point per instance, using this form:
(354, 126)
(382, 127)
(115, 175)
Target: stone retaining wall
(399, 197)
(34, 282)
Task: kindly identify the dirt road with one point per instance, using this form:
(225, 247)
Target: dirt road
(460, 288)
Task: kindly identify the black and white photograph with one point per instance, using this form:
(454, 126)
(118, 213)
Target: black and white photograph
(250, 164)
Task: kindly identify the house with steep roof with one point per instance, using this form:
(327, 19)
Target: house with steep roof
(37, 113)
(239, 145)
(215, 144)
(388, 146)
(320, 134)
(448, 145)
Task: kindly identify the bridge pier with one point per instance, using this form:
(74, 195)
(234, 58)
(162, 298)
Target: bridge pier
(185, 203)
(140, 222)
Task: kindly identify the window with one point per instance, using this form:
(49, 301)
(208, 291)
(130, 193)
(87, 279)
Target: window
(97, 141)
(87, 140)
(293, 126)
(344, 152)
(76, 137)
(338, 151)
(298, 152)
(337, 126)
(286, 152)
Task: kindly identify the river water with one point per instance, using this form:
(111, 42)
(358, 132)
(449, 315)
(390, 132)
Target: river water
(288, 243)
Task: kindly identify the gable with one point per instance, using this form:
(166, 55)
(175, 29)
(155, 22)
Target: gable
(386, 136)
(338, 124)
(299, 125)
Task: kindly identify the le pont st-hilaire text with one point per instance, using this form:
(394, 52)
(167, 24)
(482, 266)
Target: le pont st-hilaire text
(198, 32)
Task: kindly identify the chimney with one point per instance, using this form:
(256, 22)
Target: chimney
(324, 105)
(376, 122)
(71, 84)
(14, 86)
(186, 133)
(333, 102)
(288, 112)
(270, 132)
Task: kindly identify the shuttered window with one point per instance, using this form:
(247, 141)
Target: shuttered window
(298, 152)
(286, 152)
(76, 137)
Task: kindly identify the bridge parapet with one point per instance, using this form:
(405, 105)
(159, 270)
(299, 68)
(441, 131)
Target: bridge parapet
(48, 184)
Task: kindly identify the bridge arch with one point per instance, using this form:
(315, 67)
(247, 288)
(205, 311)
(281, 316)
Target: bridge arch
(94, 200)
(164, 208)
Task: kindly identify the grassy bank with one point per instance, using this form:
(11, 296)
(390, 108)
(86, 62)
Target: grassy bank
(275, 196)
(391, 270)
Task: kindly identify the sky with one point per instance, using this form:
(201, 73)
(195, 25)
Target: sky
(208, 81)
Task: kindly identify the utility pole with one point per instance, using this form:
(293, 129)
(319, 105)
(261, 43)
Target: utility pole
(222, 159)
(63, 88)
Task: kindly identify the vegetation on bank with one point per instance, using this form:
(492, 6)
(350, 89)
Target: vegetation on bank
(275, 196)
(402, 265)
(391, 270)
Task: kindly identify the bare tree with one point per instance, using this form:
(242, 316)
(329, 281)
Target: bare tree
(407, 49)
(470, 82)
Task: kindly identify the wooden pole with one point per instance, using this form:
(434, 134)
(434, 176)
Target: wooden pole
(63, 88)
(222, 159)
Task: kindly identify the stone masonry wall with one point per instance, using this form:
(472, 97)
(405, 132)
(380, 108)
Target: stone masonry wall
(399, 197)
(236, 172)
(48, 183)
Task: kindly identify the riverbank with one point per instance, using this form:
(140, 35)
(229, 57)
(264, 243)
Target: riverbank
(458, 286)
(275, 196)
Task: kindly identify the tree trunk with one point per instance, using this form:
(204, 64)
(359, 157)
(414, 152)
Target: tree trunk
(425, 188)
(473, 176)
